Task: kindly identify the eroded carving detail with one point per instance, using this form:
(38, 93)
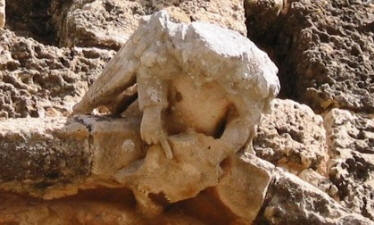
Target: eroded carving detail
(201, 90)
(200, 77)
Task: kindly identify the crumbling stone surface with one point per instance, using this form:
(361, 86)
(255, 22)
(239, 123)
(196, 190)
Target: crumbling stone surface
(93, 152)
(291, 201)
(34, 154)
(99, 23)
(38, 80)
(31, 68)
(283, 198)
(244, 190)
(70, 152)
(324, 49)
(351, 146)
(320, 181)
(292, 136)
(108, 23)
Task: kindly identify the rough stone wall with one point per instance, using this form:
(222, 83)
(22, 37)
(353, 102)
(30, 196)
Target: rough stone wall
(292, 136)
(38, 80)
(83, 158)
(351, 146)
(108, 23)
(324, 49)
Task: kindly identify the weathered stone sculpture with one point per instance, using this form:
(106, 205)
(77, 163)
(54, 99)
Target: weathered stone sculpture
(201, 89)
(201, 77)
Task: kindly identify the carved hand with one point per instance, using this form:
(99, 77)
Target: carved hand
(152, 131)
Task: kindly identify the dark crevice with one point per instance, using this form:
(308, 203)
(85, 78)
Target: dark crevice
(220, 128)
(312, 58)
(31, 18)
(127, 102)
(298, 137)
(159, 199)
(35, 19)
(272, 37)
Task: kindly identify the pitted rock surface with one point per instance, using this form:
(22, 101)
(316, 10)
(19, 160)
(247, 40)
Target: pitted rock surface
(46, 155)
(291, 201)
(292, 137)
(324, 49)
(108, 23)
(38, 80)
(351, 144)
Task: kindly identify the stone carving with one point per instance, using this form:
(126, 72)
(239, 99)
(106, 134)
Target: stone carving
(201, 90)
(201, 77)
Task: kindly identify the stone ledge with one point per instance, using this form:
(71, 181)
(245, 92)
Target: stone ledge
(86, 152)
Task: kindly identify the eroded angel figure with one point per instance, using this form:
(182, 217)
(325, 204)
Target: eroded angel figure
(190, 77)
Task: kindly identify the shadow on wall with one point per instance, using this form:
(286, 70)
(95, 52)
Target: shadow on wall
(265, 25)
(40, 19)
(35, 18)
